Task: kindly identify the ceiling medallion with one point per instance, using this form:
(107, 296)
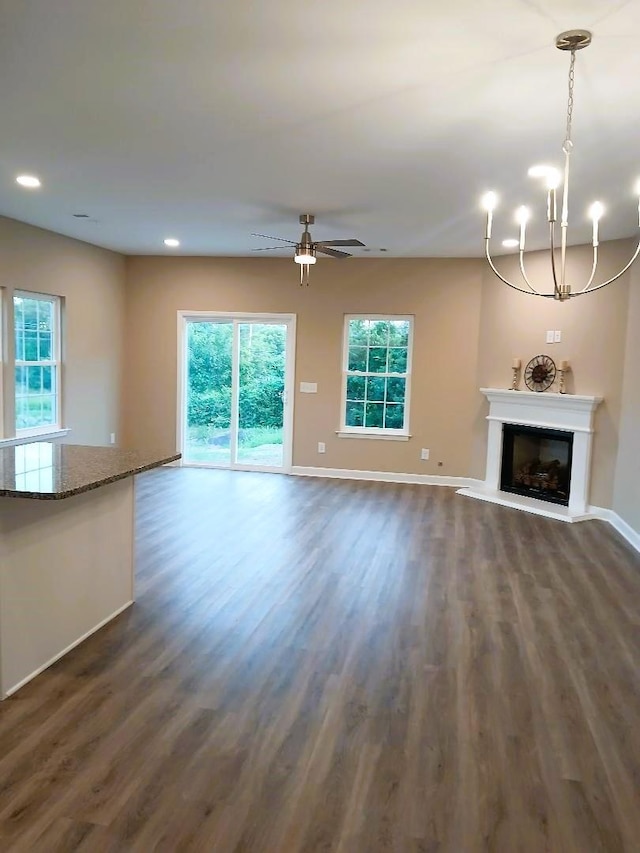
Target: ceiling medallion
(571, 40)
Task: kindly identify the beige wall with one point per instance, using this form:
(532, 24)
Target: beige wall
(91, 280)
(444, 296)
(468, 328)
(593, 341)
(626, 500)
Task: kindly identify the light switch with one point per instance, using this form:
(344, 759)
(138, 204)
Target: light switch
(550, 336)
(557, 336)
(308, 387)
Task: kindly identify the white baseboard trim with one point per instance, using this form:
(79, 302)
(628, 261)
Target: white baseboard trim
(625, 530)
(592, 512)
(383, 476)
(61, 654)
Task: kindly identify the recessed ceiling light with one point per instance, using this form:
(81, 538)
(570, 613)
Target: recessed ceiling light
(28, 181)
(171, 242)
(510, 243)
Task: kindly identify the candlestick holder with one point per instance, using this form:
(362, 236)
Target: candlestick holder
(561, 386)
(515, 378)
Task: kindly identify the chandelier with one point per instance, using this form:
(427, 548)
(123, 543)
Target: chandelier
(572, 40)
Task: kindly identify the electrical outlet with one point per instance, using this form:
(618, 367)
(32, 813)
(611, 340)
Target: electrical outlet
(557, 336)
(321, 447)
(550, 336)
(424, 454)
(112, 438)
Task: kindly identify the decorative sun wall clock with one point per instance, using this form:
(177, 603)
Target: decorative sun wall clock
(540, 373)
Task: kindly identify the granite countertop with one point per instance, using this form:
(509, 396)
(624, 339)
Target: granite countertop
(50, 471)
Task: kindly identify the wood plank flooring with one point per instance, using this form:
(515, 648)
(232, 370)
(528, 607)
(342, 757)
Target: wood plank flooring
(321, 665)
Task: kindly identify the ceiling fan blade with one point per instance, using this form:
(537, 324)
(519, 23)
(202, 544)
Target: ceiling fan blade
(281, 239)
(271, 248)
(351, 242)
(331, 252)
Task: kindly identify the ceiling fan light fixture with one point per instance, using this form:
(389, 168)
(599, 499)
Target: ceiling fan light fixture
(304, 256)
(306, 249)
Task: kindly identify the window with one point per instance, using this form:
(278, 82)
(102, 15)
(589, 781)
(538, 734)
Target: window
(376, 374)
(37, 361)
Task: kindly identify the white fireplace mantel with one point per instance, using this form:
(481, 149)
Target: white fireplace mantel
(569, 412)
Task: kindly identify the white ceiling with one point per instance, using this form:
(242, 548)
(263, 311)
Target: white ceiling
(210, 119)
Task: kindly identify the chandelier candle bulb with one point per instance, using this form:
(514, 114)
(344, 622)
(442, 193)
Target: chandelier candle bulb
(522, 216)
(552, 205)
(489, 201)
(595, 212)
(553, 178)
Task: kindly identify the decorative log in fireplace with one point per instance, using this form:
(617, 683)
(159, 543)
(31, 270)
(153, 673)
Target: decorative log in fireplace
(536, 462)
(540, 475)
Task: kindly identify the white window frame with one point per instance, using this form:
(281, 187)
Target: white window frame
(375, 432)
(237, 318)
(3, 354)
(55, 362)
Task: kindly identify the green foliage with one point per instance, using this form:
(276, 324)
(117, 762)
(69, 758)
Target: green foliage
(33, 320)
(210, 408)
(262, 363)
(259, 436)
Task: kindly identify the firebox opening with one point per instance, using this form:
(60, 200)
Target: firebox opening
(536, 462)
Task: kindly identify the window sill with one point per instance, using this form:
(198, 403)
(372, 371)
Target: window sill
(385, 436)
(30, 437)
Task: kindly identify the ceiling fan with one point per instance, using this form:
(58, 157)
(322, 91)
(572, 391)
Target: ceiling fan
(306, 248)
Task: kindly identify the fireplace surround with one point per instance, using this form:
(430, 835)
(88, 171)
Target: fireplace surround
(565, 422)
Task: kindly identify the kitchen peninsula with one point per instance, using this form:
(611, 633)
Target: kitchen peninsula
(67, 519)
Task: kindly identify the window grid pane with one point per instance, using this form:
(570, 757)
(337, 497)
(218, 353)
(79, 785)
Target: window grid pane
(376, 368)
(36, 369)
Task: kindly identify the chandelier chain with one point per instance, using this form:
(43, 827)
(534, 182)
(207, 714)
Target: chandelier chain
(568, 144)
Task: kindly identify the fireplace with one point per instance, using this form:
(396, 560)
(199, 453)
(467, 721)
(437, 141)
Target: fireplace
(536, 462)
(538, 453)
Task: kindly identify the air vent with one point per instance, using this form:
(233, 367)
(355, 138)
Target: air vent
(81, 216)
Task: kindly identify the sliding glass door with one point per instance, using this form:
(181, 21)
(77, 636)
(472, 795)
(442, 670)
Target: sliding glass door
(236, 381)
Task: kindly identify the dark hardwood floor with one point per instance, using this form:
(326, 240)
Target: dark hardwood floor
(317, 665)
